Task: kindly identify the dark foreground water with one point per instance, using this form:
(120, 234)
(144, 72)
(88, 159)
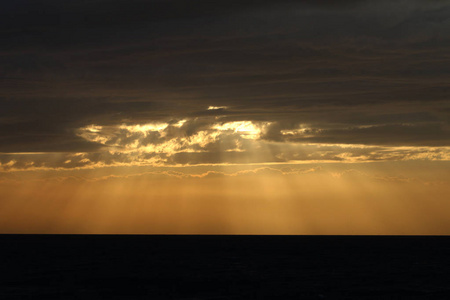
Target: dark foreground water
(224, 267)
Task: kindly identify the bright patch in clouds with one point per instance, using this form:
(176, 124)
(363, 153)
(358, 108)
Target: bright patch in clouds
(182, 136)
(217, 107)
(214, 141)
(246, 129)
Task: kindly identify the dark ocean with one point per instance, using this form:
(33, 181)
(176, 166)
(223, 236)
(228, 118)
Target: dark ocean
(224, 267)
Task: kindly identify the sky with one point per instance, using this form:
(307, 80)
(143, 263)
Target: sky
(225, 117)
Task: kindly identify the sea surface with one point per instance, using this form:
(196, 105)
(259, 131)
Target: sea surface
(224, 267)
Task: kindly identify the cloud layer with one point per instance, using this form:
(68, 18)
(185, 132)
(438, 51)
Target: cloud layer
(306, 78)
(216, 141)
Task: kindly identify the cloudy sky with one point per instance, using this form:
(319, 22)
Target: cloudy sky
(174, 116)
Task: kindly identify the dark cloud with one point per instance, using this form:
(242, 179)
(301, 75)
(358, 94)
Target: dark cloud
(333, 65)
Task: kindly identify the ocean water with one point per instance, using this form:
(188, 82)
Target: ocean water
(224, 267)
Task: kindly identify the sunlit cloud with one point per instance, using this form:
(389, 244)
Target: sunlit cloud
(172, 138)
(208, 140)
(217, 107)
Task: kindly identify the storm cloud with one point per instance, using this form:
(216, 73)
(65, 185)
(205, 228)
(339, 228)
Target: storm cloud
(368, 73)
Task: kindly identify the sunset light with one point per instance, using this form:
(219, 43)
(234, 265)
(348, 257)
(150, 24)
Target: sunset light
(252, 118)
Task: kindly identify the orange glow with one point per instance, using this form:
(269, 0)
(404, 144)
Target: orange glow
(327, 199)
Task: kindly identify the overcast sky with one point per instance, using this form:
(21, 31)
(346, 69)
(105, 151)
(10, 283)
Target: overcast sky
(353, 72)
